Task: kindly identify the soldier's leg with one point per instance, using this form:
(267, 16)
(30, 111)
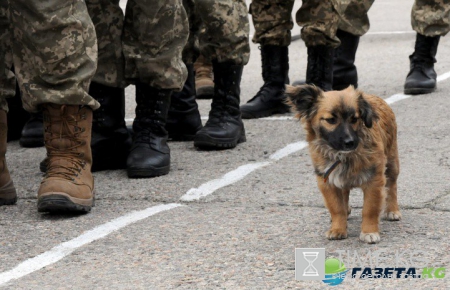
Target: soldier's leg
(111, 140)
(431, 20)
(7, 89)
(155, 34)
(320, 20)
(183, 119)
(55, 56)
(273, 24)
(226, 43)
(354, 23)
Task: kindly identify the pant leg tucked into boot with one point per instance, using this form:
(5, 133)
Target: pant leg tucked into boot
(224, 128)
(270, 98)
(8, 193)
(68, 184)
(183, 120)
(421, 78)
(149, 155)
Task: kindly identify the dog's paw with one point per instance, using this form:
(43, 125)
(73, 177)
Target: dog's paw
(393, 216)
(370, 238)
(336, 234)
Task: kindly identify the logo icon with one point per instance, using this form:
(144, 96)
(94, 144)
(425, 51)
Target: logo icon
(335, 272)
(309, 264)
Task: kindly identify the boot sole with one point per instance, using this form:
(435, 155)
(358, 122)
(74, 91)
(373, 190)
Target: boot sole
(62, 202)
(419, 91)
(31, 142)
(8, 194)
(207, 142)
(262, 114)
(147, 172)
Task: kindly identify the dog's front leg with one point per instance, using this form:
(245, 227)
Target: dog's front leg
(374, 195)
(337, 206)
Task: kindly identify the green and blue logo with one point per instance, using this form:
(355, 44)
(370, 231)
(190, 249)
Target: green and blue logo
(335, 272)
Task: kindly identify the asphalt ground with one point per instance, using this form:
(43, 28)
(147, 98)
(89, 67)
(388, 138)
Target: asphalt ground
(232, 219)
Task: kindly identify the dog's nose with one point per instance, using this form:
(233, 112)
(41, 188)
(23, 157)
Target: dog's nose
(350, 143)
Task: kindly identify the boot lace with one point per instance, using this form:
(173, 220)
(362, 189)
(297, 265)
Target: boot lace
(69, 153)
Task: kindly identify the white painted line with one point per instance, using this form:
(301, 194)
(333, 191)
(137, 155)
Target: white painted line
(397, 97)
(288, 150)
(229, 178)
(59, 252)
(443, 77)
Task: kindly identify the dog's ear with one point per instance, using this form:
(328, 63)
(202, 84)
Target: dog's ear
(303, 99)
(366, 111)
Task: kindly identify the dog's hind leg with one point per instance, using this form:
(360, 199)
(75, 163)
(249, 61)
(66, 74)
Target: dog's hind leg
(392, 211)
(335, 203)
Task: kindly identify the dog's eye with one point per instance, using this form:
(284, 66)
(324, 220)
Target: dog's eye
(353, 120)
(331, 121)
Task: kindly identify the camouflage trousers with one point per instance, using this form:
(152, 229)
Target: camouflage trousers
(319, 20)
(431, 17)
(54, 51)
(146, 44)
(219, 29)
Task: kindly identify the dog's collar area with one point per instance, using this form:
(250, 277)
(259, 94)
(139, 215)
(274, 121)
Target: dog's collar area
(329, 170)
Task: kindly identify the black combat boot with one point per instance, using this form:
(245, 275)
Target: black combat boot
(319, 70)
(33, 132)
(149, 154)
(270, 98)
(183, 120)
(344, 69)
(421, 78)
(17, 116)
(111, 140)
(224, 128)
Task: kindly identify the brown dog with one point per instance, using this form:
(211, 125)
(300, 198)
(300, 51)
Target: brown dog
(352, 140)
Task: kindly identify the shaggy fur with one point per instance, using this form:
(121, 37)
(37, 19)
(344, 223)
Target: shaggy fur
(359, 131)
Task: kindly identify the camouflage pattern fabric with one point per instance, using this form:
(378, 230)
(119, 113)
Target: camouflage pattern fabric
(273, 21)
(226, 30)
(54, 51)
(319, 20)
(107, 17)
(154, 35)
(431, 18)
(7, 80)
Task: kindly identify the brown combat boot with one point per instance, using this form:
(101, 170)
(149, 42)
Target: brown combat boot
(7, 191)
(204, 83)
(68, 184)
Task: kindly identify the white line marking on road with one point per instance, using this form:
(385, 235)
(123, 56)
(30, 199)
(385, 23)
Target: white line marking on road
(57, 253)
(288, 150)
(229, 178)
(397, 97)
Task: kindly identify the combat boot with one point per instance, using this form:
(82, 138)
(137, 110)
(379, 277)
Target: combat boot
(17, 116)
(421, 78)
(183, 119)
(68, 184)
(33, 132)
(149, 155)
(204, 82)
(319, 70)
(344, 69)
(270, 98)
(8, 193)
(224, 128)
(111, 140)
